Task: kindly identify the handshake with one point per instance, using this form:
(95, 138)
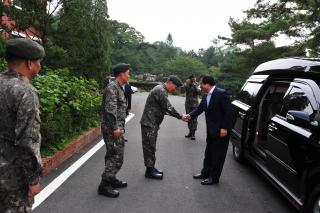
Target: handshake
(186, 117)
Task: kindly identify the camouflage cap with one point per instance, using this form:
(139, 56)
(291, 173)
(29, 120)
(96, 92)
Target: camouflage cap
(24, 48)
(119, 68)
(176, 80)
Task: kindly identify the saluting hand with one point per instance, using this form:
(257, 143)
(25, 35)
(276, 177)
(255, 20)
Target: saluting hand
(117, 133)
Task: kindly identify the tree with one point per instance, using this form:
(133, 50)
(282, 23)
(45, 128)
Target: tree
(184, 66)
(34, 16)
(83, 31)
(267, 20)
(169, 40)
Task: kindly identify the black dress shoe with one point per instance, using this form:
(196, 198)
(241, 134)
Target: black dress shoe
(153, 174)
(200, 176)
(118, 184)
(193, 137)
(209, 181)
(108, 191)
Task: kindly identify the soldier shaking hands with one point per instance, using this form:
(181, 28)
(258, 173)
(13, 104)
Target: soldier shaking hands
(156, 107)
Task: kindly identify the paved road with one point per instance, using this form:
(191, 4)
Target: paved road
(241, 189)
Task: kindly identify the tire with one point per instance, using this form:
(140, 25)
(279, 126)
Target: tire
(313, 203)
(238, 154)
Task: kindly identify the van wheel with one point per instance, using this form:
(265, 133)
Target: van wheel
(313, 203)
(237, 154)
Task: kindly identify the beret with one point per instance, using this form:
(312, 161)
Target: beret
(176, 80)
(24, 48)
(119, 68)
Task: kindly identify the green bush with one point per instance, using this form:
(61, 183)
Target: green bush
(69, 106)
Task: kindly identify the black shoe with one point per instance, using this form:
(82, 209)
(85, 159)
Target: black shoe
(209, 181)
(159, 171)
(118, 184)
(188, 135)
(125, 140)
(107, 190)
(193, 137)
(200, 176)
(153, 174)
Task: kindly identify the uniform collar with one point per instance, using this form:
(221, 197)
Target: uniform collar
(17, 75)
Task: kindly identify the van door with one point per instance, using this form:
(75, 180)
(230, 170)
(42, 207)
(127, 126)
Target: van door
(242, 108)
(286, 145)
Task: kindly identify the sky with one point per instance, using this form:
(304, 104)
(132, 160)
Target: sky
(192, 23)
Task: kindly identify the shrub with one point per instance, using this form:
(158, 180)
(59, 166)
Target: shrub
(69, 106)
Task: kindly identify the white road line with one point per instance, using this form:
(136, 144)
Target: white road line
(56, 183)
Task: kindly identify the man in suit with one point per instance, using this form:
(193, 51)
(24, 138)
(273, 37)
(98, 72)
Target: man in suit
(217, 107)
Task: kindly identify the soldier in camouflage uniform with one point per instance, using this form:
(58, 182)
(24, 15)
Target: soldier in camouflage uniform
(20, 160)
(113, 127)
(157, 106)
(192, 102)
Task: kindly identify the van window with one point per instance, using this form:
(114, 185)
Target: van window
(249, 92)
(296, 100)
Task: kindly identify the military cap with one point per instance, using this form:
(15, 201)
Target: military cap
(119, 68)
(176, 80)
(24, 48)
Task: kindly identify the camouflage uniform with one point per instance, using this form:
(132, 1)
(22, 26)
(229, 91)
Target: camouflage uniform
(113, 117)
(20, 139)
(157, 106)
(192, 102)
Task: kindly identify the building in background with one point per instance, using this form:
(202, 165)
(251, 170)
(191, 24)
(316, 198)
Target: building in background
(8, 27)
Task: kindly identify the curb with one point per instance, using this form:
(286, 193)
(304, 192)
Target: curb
(52, 162)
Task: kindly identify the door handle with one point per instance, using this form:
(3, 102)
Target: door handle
(242, 115)
(272, 127)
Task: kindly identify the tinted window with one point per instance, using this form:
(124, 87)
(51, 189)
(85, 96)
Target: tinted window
(249, 92)
(296, 100)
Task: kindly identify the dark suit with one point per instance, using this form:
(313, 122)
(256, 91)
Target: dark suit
(128, 95)
(218, 116)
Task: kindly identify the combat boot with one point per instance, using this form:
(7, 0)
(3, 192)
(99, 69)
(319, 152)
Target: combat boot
(188, 135)
(193, 135)
(158, 170)
(152, 173)
(118, 183)
(106, 189)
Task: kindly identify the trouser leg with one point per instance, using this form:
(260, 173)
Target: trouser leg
(113, 158)
(219, 152)
(16, 201)
(149, 139)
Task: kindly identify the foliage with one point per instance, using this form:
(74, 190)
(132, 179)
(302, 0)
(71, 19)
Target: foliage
(69, 106)
(184, 66)
(82, 39)
(34, 16)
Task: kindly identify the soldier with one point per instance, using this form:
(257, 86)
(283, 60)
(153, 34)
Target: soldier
(112, 126)
(192, 102)
(20, 160)
(157, 106)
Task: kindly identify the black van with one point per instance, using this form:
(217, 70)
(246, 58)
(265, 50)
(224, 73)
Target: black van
(276, 127)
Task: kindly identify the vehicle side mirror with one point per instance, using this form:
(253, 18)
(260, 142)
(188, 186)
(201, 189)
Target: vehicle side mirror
(298, 118)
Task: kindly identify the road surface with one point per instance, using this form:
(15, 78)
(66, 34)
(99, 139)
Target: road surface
(241, 188)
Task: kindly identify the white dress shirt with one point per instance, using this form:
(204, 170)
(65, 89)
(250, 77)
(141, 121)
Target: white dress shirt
(209, 95)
